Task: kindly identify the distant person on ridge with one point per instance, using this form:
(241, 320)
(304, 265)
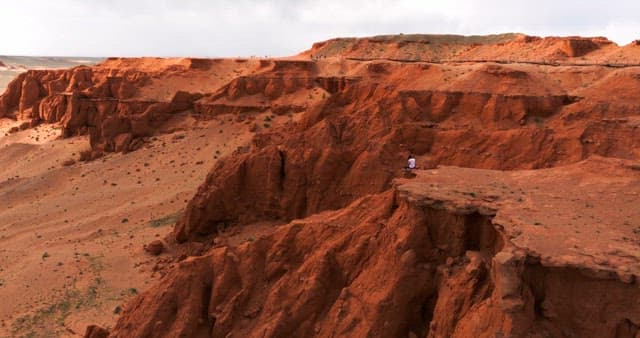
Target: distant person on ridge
(411, 163)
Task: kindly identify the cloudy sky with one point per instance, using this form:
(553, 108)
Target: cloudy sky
(286, 27)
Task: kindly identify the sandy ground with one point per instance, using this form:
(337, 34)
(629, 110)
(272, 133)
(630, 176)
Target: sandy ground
(71, 237)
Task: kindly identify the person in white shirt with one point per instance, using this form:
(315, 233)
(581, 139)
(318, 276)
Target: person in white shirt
(411, 162)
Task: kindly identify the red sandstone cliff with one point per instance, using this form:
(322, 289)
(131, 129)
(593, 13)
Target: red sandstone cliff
(449, 253)
(352, 143)
(389, 264)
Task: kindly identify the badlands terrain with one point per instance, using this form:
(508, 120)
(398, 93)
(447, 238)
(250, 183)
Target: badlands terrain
(11, 66)
(266, 197)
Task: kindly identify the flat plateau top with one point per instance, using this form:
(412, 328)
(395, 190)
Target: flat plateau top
(584, 215)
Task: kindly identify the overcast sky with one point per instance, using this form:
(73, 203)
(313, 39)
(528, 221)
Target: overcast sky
(286, 27)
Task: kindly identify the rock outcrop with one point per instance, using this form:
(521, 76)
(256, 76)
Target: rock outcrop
(94, 101)
(352, 143)
(450, 253)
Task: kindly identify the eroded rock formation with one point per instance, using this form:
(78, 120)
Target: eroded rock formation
(352, 143)
(452, 252)
(100, 102)
(531, 251)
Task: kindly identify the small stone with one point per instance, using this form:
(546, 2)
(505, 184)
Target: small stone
(155, 248)
(449, 261)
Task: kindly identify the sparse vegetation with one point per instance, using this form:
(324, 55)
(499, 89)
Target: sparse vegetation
(538, 121)
(471, 193)
(49, 320)
(165, 220)
(55, 314)
(85, 155)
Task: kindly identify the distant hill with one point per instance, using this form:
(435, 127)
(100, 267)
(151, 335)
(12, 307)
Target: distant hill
(10, 66)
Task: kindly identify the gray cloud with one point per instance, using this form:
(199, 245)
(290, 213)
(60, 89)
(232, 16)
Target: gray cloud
(251, 27)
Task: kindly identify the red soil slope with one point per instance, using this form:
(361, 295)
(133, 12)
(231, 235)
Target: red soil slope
(452, 252)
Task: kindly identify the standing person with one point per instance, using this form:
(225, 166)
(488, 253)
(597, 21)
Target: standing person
(411, 162)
